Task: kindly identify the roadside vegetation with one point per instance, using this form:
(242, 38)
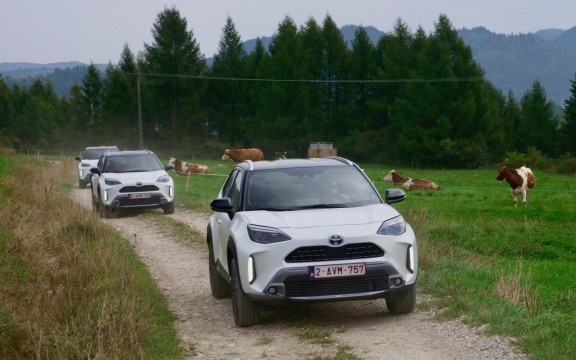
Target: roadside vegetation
(70, 287)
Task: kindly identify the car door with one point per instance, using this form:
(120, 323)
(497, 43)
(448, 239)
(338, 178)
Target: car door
(96, 177)
(233, 189)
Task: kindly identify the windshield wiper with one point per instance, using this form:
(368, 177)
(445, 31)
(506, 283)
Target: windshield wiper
(320, 206)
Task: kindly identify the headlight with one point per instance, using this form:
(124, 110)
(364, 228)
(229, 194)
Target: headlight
(266, 235)
(110, 181)
(84, 164)
(395, 226)
(163, 178)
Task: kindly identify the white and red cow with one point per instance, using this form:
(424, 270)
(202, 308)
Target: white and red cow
(409, 183)
(521, 181)
(243, 154)
(184, 168)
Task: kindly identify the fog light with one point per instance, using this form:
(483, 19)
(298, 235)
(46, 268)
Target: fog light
(397, 282)
(272, 290)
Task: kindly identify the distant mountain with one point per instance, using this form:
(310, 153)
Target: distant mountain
(514, 62)
(549, 34)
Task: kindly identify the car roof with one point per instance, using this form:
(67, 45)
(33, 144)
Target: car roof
(101, 147)
(295, 163)
(130, 152)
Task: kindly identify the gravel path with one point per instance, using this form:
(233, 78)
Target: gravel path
(206, 324)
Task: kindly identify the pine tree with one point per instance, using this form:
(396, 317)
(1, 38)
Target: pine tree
(173, 52)
(229, 98)
(569, 127)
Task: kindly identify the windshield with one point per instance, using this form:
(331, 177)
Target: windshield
(94, 154)
(132, 163)
(307, 188)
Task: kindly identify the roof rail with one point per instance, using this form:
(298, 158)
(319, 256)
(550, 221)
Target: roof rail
(338, 158)
(250, 164)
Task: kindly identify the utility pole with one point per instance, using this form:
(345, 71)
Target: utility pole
(140, 130)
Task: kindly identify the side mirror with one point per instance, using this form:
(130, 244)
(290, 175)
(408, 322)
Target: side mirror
(169, 167)
(95, 171)
(223, 205)
(394, 196)
(78, 158)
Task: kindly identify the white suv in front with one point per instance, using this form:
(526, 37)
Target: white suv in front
(131, 180)
(308, 230)
(88, 160)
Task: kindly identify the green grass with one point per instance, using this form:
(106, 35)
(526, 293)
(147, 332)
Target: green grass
(510, 267)
(70, 287)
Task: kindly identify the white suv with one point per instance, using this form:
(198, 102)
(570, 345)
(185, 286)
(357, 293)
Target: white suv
(305, 230)
(131, 179)
(88, 160)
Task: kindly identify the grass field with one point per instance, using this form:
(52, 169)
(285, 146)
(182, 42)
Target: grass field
(483, 259)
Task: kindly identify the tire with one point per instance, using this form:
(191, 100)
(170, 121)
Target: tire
(169, 209)
(404, 303)
(219, 287)
(245, 311)
(81, 184)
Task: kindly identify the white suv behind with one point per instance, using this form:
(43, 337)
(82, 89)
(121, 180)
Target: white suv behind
(88, 160)
(131, 180)
(308, 230)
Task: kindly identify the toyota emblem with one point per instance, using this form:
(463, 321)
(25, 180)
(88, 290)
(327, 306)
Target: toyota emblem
(336, 240)
(138, 184)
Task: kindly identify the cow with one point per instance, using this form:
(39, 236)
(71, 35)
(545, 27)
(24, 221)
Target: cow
(243, 154)
(184, 168)
(521, 181)
(409, 183)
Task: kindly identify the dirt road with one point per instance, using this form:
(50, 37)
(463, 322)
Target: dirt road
(206, 324)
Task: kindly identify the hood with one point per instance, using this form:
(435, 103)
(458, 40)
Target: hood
(322, 217)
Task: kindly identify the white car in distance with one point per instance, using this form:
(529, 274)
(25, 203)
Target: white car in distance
(131, 180)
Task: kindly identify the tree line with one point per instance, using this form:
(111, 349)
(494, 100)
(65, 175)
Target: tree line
(412, 98)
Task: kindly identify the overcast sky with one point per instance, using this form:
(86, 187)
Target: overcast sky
(47, 31)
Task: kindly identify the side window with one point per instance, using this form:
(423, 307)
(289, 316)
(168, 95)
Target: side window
(101, 164)
(235, 193)
(229, 182)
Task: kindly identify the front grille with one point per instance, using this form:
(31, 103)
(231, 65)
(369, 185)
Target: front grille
(327, 253)
(302, 286)
(144, 188)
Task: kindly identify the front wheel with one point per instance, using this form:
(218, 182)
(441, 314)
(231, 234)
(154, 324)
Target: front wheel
(245, 311)
(169, 208)
(218, 286)
(405, 303)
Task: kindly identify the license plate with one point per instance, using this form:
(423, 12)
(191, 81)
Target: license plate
(338, 270)
(141, 196)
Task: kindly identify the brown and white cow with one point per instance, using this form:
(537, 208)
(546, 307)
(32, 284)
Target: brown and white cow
(521, 181)
(184, 168)
(243, 154)
(409, 183)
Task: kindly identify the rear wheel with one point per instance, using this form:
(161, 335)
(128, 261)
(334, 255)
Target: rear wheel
(219, 287)
(245, 311)
(404, 303)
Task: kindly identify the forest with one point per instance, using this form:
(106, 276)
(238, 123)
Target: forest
(412, 98)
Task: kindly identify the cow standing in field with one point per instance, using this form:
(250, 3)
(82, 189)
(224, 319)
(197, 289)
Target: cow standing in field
(521, 181)
(409, 183)
(243, 154)
(184, 168)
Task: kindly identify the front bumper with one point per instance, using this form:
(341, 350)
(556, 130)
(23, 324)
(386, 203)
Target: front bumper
(156, 200)
(294, 285)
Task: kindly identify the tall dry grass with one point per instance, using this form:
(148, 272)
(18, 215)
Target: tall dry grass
(70, 288)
